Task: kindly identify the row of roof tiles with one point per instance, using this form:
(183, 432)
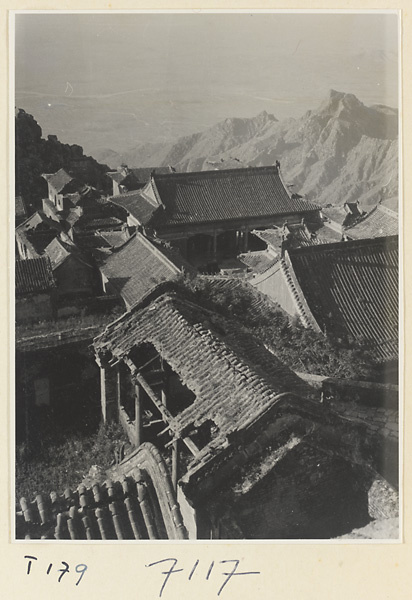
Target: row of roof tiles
(34, 276)
(138, 267)
(137, 501)
(352, 288)
(379, 222)
(207, 196)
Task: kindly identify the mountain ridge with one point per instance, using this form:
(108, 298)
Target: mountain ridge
(341, 151)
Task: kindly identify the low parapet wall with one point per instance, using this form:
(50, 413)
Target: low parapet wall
(375, 405)
(379, 395)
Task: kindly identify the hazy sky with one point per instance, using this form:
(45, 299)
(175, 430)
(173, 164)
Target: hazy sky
(116, 80)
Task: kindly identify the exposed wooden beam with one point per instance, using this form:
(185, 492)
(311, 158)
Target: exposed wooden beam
(138, 416)
(175, 464)
(189, 443)
(167, 416)
(149, 362)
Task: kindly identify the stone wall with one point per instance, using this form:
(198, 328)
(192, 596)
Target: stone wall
(307, 495)
(375, 406)
(34, 308)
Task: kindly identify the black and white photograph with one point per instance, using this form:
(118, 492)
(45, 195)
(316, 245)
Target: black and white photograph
(206, 276)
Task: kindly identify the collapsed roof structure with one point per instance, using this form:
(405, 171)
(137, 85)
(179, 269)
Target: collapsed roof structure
(237, 421)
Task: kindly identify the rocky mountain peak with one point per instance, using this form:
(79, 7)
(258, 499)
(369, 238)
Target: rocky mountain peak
(265, 117)
(338, 102)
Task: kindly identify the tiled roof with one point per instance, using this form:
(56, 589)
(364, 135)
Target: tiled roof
(59, 250)
(115, 238)
(136, 502)
(334, 213)
(259, 261)
(328, 235)
(208, 196)
(379, 222)
(234, 378)
(353, 208)
(116, 176)
(37, 231)
(297, 235)
(90, 222)
(73, 216)
(38, 220)
(33, 275)
(352, 288)
(130, 182)
(271, 236)
(136, 204)
(59, 180)
(91, 239)
(137, 268)
(143, 173)
(139, 175)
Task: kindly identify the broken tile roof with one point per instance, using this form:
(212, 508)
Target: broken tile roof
(208, 196)
(136, 205)
(33, 275)
(350, 288)
(139, 267)
(137, 501)
(234, 378)
(379, 222)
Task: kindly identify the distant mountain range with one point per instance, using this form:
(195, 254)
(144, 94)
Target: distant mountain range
(341, 151)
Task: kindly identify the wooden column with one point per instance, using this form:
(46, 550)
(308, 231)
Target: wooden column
(163, 392)
(175, 465)
(103, 393)
(118, 387)
(138, 415)
(214, 244)
(108, 394)
(245, 240)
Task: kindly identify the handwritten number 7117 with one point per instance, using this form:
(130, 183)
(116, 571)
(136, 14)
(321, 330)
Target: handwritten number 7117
(227, 574)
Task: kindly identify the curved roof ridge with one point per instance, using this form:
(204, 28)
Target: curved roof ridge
(136, 501)
(303, 309)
